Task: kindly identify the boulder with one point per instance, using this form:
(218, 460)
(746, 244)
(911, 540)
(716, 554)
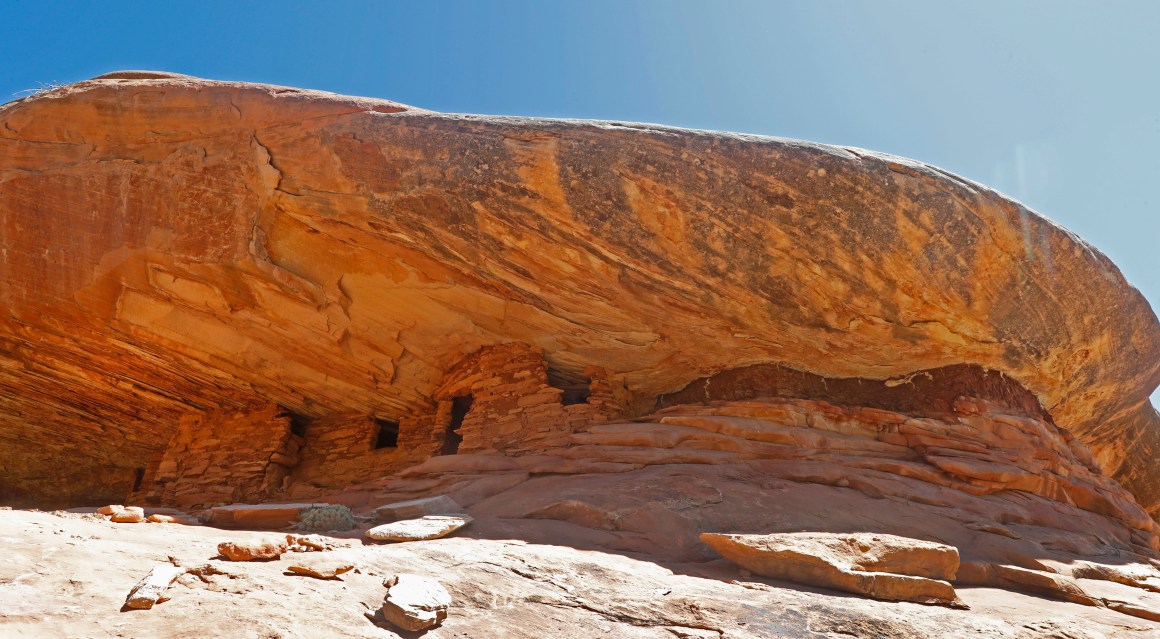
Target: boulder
(880, 566)
(127, 515)
(424, 528)
(259, 549)
(166, 519)
(415, 603)
(415, 508)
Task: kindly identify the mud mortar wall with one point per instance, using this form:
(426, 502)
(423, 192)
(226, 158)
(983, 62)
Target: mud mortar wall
(342, 449)
(514, 409)
(221, 457)
(254, 455)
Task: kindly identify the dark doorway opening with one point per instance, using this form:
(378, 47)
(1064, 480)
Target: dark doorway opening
(459, 408)
(138, 477)
(298, 421)
(575, 387)
(388, 436)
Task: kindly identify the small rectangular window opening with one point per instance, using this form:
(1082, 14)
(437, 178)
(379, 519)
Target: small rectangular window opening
(298, 421)
(138, 477)
(388, 436)
(575, 387)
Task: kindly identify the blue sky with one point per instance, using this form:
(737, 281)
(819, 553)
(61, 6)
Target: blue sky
(1056, 103)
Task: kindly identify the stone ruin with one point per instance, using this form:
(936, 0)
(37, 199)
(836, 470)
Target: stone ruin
(497, 401)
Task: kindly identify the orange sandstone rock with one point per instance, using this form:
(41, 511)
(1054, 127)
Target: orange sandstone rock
(250, 551)
(181, 250)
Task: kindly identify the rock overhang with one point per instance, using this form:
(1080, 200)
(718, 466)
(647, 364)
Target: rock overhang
(176, 244)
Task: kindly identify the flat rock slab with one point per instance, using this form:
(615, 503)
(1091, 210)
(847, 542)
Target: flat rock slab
(263, 516)
(416, 508)
(424, 528)
(151, 589)
(879, 566)
(415, 603)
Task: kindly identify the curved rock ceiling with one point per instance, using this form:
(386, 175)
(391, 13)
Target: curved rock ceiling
(172, 244)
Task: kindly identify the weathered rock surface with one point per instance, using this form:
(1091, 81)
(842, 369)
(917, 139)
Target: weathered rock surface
(175, 246)
(415, 603)
(421, 529)
(879, 566)
(506, 587)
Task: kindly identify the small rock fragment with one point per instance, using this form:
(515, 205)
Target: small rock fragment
(308, 543)
(128, 515)
(110, 509)
(204, 571)
(151, 589)
(321, 571)
(416, 508)
(415, 603)
(424, 528)
(252, 550)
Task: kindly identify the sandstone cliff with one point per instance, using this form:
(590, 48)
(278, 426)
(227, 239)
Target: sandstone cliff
(174, 246)
(608, 342)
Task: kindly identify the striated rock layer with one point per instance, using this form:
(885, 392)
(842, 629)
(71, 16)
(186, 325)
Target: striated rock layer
(175, 249)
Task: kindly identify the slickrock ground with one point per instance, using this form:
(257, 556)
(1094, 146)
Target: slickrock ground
(602, 340)
(68, 575)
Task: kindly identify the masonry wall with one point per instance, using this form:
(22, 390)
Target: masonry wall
(341, 450)
(253, 455)
(218, 457)
(515, 410)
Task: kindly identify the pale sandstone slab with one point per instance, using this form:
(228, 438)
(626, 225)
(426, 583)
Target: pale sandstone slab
(879, 566)
(422, 529)
(151, 590)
